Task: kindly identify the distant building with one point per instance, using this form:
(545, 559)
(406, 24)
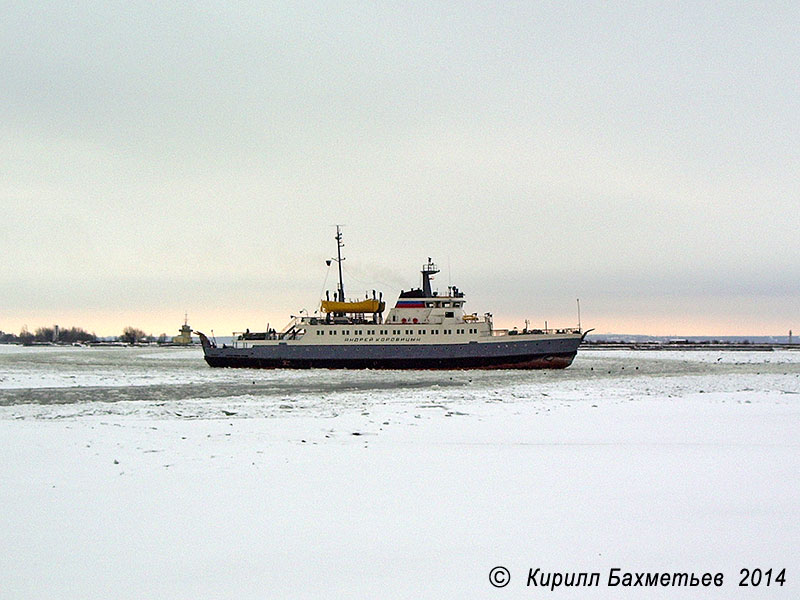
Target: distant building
(185, 335)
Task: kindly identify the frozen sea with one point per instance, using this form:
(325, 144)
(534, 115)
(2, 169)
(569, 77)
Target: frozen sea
(143, 473)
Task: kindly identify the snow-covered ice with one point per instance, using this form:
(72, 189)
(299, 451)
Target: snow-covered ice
(142, 473)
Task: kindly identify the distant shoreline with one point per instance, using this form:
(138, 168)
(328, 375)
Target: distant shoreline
(734, 346)
(586, 345)
(103, 344)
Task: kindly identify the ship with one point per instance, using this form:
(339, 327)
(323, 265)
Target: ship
(423, 330)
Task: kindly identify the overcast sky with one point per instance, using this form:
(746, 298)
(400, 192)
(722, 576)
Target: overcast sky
(167, 157)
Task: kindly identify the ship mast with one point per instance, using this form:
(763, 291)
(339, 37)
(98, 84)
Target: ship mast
(339, 246)
(428, 271)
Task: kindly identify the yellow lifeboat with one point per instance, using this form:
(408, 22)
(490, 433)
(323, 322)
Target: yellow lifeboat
(364, 306)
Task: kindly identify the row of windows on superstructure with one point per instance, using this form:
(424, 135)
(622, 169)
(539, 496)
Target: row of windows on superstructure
(397, 332)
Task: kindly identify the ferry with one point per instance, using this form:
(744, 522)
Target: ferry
(423, 330)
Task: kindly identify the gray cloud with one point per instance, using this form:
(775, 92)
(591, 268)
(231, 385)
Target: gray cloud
(593, 149)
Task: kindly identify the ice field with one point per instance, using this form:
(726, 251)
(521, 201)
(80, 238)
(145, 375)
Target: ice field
(142, 473)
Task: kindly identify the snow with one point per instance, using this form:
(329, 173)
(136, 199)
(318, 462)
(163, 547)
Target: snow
(206, 483)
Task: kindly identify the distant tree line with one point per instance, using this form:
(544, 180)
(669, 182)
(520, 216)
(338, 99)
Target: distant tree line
(43, 335)
(132, 335)
(73, 335)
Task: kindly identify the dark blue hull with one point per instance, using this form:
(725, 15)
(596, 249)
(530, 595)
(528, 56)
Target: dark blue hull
(523, 354)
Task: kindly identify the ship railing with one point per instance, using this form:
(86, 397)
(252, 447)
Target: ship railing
(289, 329)
(350, 319)
(245, 339)
(550, 331)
